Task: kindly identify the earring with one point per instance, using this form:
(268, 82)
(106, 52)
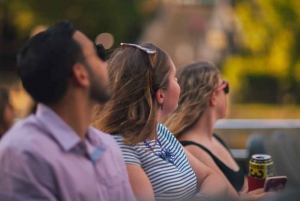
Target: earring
(162, 106)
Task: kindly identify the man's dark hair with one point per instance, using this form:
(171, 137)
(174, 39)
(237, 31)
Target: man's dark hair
(45, 62)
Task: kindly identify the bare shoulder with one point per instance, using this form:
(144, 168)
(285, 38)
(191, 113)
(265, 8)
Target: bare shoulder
(199, 153)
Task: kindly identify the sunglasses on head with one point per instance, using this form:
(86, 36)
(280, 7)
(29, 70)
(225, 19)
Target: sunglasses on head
(145, 49)
(149, 51)
(224, 86)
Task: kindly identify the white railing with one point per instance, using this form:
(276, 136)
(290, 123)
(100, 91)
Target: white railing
(257, 124)
(247, 124)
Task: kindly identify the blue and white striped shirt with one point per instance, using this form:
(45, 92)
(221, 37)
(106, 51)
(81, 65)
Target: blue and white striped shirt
(169, 181)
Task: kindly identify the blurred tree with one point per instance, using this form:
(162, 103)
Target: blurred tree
(123, 19)
(267, 69)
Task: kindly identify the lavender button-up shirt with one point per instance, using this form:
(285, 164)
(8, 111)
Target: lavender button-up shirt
(42, 158)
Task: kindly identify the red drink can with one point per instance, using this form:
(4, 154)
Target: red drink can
(260, 167)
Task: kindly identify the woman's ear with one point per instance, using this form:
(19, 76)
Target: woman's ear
(81, 75)
(160, 96)
(213, 100)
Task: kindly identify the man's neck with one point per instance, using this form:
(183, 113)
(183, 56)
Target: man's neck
(76, 113)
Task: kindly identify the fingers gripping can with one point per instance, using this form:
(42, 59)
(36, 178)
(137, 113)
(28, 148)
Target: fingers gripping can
(260, 167)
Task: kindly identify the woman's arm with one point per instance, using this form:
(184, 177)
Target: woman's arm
(209, 182)
(140, 183)
(245, 186)
(206, 159)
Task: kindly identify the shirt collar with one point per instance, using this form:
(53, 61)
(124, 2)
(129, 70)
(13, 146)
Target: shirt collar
(57, 128)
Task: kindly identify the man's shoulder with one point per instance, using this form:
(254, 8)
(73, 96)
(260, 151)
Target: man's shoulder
(104, 137)
(26, 134)
(100, 133)
(15, 132)
(107, 141)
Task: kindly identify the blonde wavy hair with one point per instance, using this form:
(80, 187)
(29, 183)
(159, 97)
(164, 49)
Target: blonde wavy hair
(197, 82)
(135, 78)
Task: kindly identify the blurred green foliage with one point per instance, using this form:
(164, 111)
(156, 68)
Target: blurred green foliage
(124, 19)
(267, 67)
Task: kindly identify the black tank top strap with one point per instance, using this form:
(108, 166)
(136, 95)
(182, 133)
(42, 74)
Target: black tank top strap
(220, 140)
(223, 143)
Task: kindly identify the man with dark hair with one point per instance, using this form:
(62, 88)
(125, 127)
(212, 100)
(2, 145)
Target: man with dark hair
(54, 154)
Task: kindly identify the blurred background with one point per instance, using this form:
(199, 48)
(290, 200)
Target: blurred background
(255, 43)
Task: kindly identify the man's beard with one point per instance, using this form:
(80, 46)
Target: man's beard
(99, 91)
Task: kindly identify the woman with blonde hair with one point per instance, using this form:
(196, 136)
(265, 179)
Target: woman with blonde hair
(202, 102)
(143, 79)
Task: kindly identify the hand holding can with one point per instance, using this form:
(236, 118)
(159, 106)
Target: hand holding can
(260, 167)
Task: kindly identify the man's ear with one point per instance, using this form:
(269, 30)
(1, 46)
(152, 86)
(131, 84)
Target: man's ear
(81, 75)
(213, 100)
(160, 96)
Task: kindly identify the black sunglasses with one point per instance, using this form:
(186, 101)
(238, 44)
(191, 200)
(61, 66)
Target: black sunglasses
(224, 86)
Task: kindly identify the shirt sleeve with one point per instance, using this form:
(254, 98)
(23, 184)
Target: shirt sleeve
(129, 152)
(24, 177)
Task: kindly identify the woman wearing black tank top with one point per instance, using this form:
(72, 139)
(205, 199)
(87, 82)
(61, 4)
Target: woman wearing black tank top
(202, 102)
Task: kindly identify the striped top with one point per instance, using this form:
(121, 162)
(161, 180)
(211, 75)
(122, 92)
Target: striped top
(169, 181)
